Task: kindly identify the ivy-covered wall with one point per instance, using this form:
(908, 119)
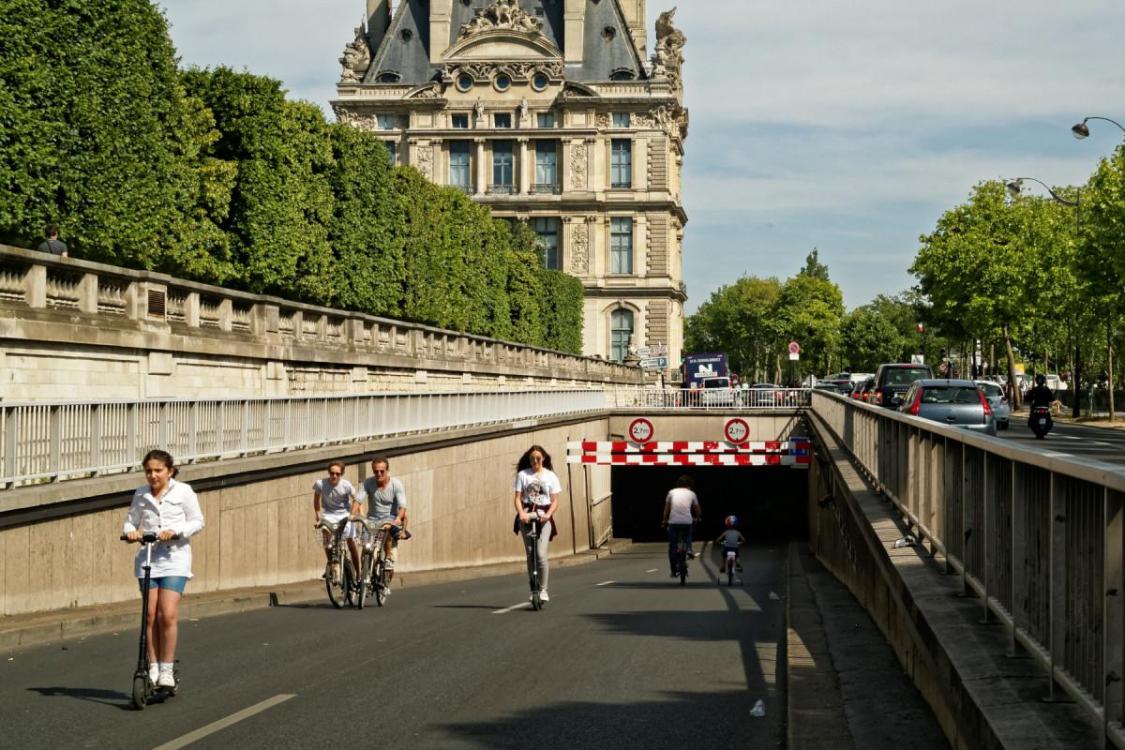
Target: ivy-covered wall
(214, 175)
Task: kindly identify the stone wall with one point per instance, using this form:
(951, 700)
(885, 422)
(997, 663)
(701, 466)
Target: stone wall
(73, 329)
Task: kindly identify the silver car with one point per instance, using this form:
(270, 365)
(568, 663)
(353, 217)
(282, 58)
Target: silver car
(994, 392)
(957, 403)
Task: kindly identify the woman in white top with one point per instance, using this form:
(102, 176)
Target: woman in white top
(536, 495)
(171, 510)
(334, 501)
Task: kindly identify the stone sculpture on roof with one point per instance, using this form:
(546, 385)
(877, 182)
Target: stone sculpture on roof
(503, 14)
(668, 59)
(357, 56)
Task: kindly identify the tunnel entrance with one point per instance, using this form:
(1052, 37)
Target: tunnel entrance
(769, 501)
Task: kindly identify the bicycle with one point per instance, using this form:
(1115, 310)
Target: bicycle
(680, 557)
(143, 687)
(732, 561)
(339, 575)
(373, 562)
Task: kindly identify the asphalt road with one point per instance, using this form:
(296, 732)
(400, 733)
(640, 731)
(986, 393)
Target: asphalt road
(621, 657)
(1098, 443)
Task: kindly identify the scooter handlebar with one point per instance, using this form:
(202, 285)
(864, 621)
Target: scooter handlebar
(149, 537)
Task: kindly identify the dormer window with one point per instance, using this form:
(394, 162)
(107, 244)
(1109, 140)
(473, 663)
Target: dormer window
(464, 82)
(622, 74)
(540, 81)
(388, 77)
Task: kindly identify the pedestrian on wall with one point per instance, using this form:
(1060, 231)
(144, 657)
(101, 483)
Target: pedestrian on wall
(536, 496)
(169, 509)
(52, 244)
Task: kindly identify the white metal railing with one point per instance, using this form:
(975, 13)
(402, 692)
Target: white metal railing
(1037, 536)
(710, 398)
(54, 441)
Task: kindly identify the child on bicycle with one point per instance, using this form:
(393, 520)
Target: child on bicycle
(730, 540)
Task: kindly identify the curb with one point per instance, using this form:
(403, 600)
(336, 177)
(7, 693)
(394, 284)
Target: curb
(815, 718)
(39, 629)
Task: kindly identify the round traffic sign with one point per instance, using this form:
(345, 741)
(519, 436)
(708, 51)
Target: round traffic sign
(794, 347)
(737, 430)
(640, 430)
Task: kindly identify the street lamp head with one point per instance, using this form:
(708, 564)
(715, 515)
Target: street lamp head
(1014, 187)
(1080, 130)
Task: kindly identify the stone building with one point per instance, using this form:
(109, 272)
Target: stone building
(550, 112)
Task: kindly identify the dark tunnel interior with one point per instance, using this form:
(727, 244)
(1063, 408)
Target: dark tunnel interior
(770, 502)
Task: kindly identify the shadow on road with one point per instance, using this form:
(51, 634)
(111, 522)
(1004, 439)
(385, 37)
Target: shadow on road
(93, 695)
(716, 719)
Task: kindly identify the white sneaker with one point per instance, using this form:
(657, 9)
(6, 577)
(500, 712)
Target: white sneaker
(166, 678)
(153, 673)
(543, 597)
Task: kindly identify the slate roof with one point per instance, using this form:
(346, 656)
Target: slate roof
(604, 53)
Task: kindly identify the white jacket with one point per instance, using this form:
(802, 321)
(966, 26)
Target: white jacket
(179, 511)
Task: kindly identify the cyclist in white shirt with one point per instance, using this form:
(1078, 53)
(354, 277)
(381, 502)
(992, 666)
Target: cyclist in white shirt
(535, 494)
(171, 510)
(386, 503)
(334, 501)
(681, 509)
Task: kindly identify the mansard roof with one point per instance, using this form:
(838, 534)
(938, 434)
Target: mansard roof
(608, 47)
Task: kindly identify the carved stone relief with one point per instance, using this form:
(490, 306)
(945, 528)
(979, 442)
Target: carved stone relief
(578, 165)
(503, 14)
(579, 246)
(424, 160)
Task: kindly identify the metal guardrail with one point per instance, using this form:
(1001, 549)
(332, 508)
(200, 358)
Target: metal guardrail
(723, 399)
(54, 441)
(1039, 538)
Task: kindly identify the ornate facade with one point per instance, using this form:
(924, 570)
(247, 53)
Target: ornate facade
(550, 112)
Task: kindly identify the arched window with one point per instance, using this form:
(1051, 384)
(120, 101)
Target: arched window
(621, 333)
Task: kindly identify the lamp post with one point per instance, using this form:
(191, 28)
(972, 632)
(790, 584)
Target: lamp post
(1015, 188)
(1081, 131)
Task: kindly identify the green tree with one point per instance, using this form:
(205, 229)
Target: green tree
(809, 310)
(739, 319)
(868, 338)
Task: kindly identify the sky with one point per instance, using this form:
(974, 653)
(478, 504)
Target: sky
(845, 126)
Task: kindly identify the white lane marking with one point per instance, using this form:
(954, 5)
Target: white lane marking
(234, 718)
(651, 570)
(604, 583)
(521, 605)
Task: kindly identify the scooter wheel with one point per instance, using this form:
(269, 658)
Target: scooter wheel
(140, 691)
(536, 601)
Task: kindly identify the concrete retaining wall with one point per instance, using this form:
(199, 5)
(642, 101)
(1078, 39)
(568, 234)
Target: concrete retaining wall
(260, 520)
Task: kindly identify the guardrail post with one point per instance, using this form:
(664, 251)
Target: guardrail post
(11, 444)
(193, 430)
(244, 427)
(988, 514)
(131, 417)
(96, 437)
(1113, 626)
(1057, 587)
(54, 429)
(162, 425)
(1019, 533)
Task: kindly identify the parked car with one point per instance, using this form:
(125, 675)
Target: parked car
(867, 390)
(892, 381)
(838, 382)
(952, 402)
(994, 392)
(716, 391)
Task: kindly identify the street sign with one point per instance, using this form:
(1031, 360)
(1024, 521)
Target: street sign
(654, 363)
(794, 351)
(736, 430)
(640, 430)
(658, 350)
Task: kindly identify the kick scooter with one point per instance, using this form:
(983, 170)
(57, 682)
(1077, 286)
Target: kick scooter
(143, 688)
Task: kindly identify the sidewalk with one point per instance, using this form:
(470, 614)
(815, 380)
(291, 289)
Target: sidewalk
(39, 628)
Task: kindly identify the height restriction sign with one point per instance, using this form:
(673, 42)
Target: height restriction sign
(640, 430)
(794, 350)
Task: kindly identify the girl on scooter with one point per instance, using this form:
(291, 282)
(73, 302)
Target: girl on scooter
(535, 494)
(171, 510)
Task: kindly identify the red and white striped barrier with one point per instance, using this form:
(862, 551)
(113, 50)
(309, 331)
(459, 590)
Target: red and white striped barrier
(685, 446)
(689, 459)
(796, 452)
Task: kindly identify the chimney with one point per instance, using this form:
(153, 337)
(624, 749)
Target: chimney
(378, 21)
(441, 16)
(574, 30)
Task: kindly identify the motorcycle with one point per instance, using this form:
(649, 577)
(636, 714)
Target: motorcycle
(1040, 421)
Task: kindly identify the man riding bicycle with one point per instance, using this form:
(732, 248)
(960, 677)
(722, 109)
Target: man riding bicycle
(681, 509)
(334, 502)
(386, 503)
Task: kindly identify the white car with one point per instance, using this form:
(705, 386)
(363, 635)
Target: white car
(716, 391)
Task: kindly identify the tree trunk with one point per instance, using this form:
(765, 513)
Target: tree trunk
(1076, 380)
(1015, 398)
(1109, 366)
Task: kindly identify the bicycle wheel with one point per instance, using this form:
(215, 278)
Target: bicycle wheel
(730, 574)
(349, 582)
(683, 567)
(364, 580)
(380, 582)
(334, 583)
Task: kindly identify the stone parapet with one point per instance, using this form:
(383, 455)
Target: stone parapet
(71, 328)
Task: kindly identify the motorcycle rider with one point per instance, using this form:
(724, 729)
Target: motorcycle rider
(1038, 396)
